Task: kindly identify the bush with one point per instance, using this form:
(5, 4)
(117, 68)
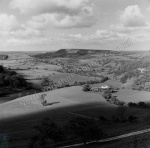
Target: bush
(102, 118)
(11, 73)
(2, 69)
(131, 104)
(86, 129)
(104, 79)
(132, 118)
(86, 87)
(142, 104)
(16, 83)
(107, 94)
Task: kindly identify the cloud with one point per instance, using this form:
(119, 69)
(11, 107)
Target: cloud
(133, 24)
(148, 9)
(26, 33)
(33, 41)
(124, 29)
(57, 13)
(8, 22)
(105, 34)
(100, 36)
(62, 21)
(48, 6)
(132, 17)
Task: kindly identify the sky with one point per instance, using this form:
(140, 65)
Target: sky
(47, 25)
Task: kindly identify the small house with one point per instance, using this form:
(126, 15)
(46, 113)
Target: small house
(104, 87)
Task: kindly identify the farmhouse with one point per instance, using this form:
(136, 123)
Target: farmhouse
(104, 87)
(97, 89)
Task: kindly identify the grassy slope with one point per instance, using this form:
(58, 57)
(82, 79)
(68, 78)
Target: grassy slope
(66, 97)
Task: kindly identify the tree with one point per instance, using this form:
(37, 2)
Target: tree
(11, 73)
(86, 87)
(121, 112)
(7, 80)
(104, 79)
(2, 77)
(132, 118)
(47, 82)
(48, 130)
(86, 129)
(16, 83)
(2, 69)
(107, 94)
(131, 104)
(142, 104)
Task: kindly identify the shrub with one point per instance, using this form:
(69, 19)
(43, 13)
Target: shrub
(142, 104)
(11, 73)
(2, 69)
(86, 129)
(86, 87)
(132, 118)
(107, 94)
(16, 83)
(104, 79)
(102, 118)
(131, 104)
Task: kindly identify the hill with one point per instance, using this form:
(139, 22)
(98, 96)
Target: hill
(71, 53)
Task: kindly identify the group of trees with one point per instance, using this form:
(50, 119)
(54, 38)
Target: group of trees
(139, 104)
(47, 82)
(126, 66)
(50, 133)
(11, 79)
(107, 94)
(48, 130)
(3, 57)
(130, 74)
(142, 83)
(87, 87)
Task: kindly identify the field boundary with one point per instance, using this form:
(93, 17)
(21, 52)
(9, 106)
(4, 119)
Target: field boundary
(79, 115)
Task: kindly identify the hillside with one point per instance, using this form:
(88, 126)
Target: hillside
(3, 57)
(71, 53)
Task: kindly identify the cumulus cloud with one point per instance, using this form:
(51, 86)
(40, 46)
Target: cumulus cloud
(124, 29)
(133, 24)
(61, 21)
(33, 41)
(45, 6)
(8, 22)
(98, 37)
(26, 33)
(105, 34)
(57, 13)
(132, 17)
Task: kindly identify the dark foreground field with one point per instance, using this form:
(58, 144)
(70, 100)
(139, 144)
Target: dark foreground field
(20, 130)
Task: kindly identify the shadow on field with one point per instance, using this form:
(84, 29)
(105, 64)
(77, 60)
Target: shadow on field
(55, 114)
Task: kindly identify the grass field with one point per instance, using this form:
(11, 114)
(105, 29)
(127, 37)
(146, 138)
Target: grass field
(17, 117)
(73, 102)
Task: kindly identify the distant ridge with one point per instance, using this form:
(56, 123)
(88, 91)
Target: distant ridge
(71, 53)
(79, 53)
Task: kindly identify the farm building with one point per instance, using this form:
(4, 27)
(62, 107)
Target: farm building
(97, 89)
(104, 87)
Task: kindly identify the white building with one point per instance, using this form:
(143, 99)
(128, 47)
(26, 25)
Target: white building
(105, 87)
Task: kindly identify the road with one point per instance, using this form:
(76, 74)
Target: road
(110, 139)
